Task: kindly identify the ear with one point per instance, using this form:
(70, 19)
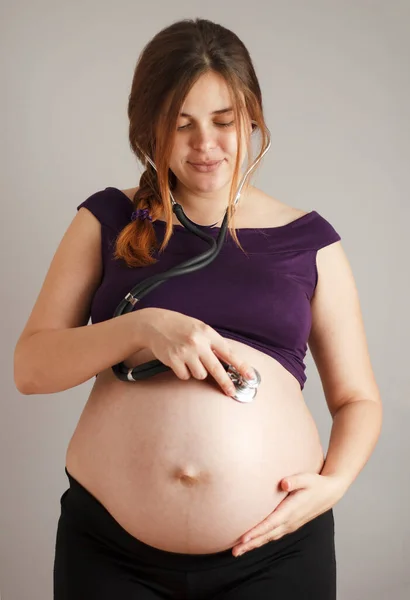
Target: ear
(253, 125)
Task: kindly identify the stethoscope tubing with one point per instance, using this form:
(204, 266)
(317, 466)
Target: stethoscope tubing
(144, 287)
(154, 367)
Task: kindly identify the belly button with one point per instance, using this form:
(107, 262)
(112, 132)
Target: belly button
(188, 478)
(188, 481)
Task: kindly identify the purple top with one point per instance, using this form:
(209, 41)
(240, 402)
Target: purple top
(262, 300)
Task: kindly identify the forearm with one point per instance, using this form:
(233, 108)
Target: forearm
(55, 360)
(355, 431)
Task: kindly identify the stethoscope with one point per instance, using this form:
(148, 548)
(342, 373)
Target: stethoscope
(245, 389)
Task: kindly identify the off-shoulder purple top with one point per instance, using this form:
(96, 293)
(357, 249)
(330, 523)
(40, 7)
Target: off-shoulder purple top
(261, 299)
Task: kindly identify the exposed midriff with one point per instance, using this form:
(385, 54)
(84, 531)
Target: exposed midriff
(182, 466)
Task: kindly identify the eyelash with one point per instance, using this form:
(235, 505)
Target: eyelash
(218, 124)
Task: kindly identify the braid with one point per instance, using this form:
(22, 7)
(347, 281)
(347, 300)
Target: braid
(138, 240)
(147, 195)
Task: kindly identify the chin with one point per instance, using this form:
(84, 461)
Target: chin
(210, 186)
(204, 182)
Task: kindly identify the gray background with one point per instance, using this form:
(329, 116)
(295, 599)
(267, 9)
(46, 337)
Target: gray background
(335, 82)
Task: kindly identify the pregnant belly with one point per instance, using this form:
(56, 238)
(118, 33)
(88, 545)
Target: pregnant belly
(185, 468)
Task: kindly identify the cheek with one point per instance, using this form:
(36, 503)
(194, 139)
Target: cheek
(177, 156)
(230, 145)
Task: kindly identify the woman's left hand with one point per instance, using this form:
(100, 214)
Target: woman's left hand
(310, 495)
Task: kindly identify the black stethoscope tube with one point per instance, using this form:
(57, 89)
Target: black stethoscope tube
(144, 287)
(126, 305)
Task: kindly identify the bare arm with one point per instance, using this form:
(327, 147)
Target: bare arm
(57, 350)
(50, 361)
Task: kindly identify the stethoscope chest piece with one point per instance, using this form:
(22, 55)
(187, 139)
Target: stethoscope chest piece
(246, 389)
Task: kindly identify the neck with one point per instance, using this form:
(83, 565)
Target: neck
(204, 208)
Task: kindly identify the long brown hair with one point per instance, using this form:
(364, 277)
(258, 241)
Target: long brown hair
(166, 70)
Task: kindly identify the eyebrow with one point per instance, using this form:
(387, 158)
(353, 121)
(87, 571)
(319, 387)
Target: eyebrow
(215, 112)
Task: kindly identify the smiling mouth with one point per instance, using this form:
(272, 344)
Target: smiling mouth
(204, 168)
(206, 163)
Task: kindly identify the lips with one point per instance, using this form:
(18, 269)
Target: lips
(206, 164)
(209, 167)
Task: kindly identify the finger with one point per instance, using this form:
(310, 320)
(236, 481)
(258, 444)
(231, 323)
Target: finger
(283, 513)
(265, 526)
(180, 369)
(214, 367)
(197, 369)
(259, 541)
(225, 353)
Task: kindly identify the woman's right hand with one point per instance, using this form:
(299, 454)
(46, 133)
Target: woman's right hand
(191, 347)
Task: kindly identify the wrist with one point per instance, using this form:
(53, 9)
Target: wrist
(341, 483)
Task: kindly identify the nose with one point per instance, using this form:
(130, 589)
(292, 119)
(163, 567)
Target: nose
(203, 139)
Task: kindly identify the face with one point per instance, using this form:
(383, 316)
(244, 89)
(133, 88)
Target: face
(204, 136)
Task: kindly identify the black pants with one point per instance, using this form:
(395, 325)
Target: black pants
(96, 559)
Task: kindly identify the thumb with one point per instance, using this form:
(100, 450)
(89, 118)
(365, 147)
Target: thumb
(295, 482)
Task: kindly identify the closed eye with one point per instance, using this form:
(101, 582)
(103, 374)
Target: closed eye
(218, 124)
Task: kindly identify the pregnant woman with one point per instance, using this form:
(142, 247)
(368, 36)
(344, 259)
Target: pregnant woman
(168, 474)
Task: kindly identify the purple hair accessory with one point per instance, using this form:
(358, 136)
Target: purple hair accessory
(142, 214)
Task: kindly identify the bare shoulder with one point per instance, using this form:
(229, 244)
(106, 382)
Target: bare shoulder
(270, 211)
(130, 192)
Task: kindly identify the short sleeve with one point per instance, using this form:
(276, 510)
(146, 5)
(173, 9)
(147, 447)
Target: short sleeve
(322, 233)
(110, 206)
